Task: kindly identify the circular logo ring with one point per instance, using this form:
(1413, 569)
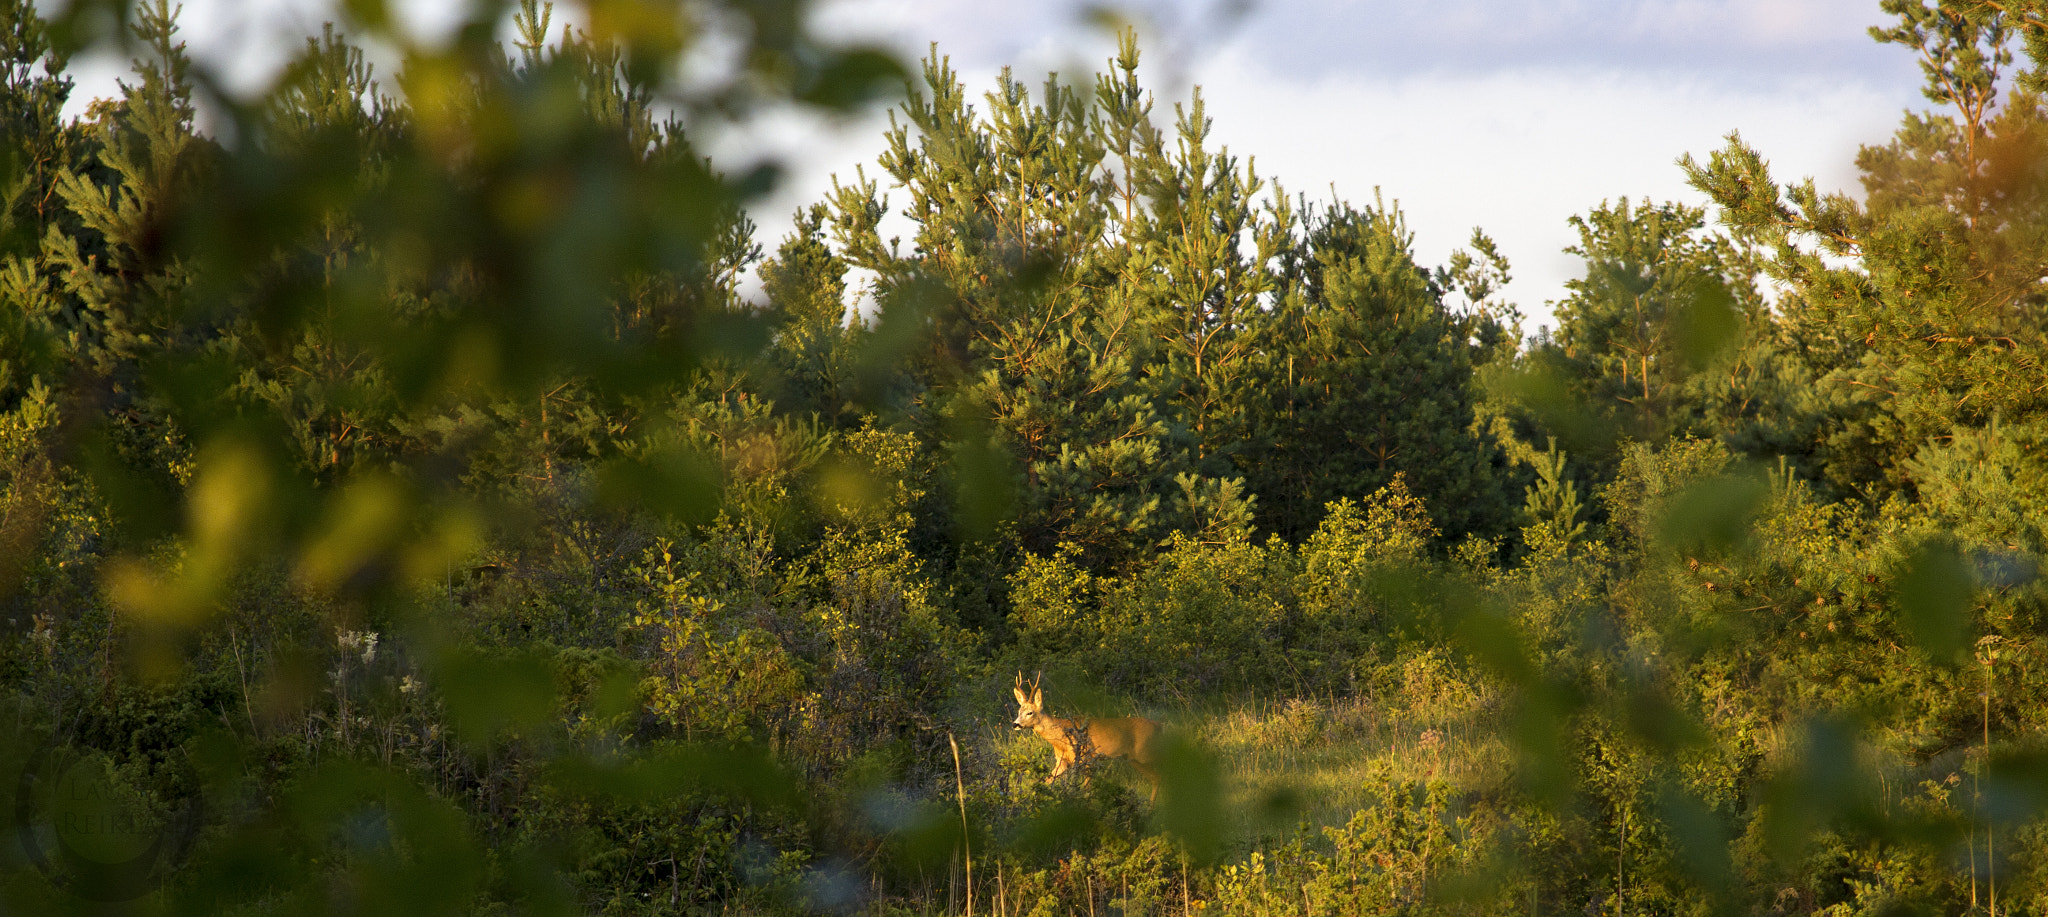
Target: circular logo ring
(75, 872)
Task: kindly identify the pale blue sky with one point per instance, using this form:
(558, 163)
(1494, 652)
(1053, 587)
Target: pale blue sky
(1507, 114)
(1511, 115)
(1732, 39)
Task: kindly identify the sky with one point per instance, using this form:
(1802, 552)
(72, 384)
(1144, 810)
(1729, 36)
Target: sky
(1507, 115)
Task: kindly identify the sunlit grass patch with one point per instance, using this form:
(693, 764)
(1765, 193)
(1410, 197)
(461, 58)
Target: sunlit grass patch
(1313, 762)
(1308, 761)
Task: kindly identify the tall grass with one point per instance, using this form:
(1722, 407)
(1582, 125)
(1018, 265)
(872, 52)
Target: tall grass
(1309, 757)
(1300, 764)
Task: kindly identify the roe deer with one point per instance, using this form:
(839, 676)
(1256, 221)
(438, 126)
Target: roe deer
(1076, 740)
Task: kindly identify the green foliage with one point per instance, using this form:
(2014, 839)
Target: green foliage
(1407, 852)
(1370, 380)
(1346, 567)
(712, 675)
(1928, 324)
(1987, 485)
(1105, 308)
(1551, 507)
(404, 509)
(1203, 617)
(1198, 619)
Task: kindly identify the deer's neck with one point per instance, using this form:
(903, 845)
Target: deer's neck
(1059, 730)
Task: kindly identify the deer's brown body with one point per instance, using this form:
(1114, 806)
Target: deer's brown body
(1075, 740)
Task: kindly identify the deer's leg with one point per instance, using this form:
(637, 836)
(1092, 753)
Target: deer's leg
(1151, 776)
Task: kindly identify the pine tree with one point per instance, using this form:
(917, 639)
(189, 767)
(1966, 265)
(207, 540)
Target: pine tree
(1202, 299)
(33, 90)
(121, 288)
(1918, 311)
(330, 124)
(36, 146)
(330, 95)
(1552, 517)
(1666, 335)
(1015, 282)
(1370, 376)
(816, 369)
(1630, 329)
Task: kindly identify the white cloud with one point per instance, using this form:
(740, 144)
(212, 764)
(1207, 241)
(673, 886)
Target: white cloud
(1518, 152)
(1507, 114)
(1732, 39)
(1516, 145)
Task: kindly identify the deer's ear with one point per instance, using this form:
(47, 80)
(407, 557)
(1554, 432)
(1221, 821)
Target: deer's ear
(1037, 697)
(1022, 701)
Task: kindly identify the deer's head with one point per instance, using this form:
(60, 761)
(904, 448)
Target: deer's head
(1029, 705)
